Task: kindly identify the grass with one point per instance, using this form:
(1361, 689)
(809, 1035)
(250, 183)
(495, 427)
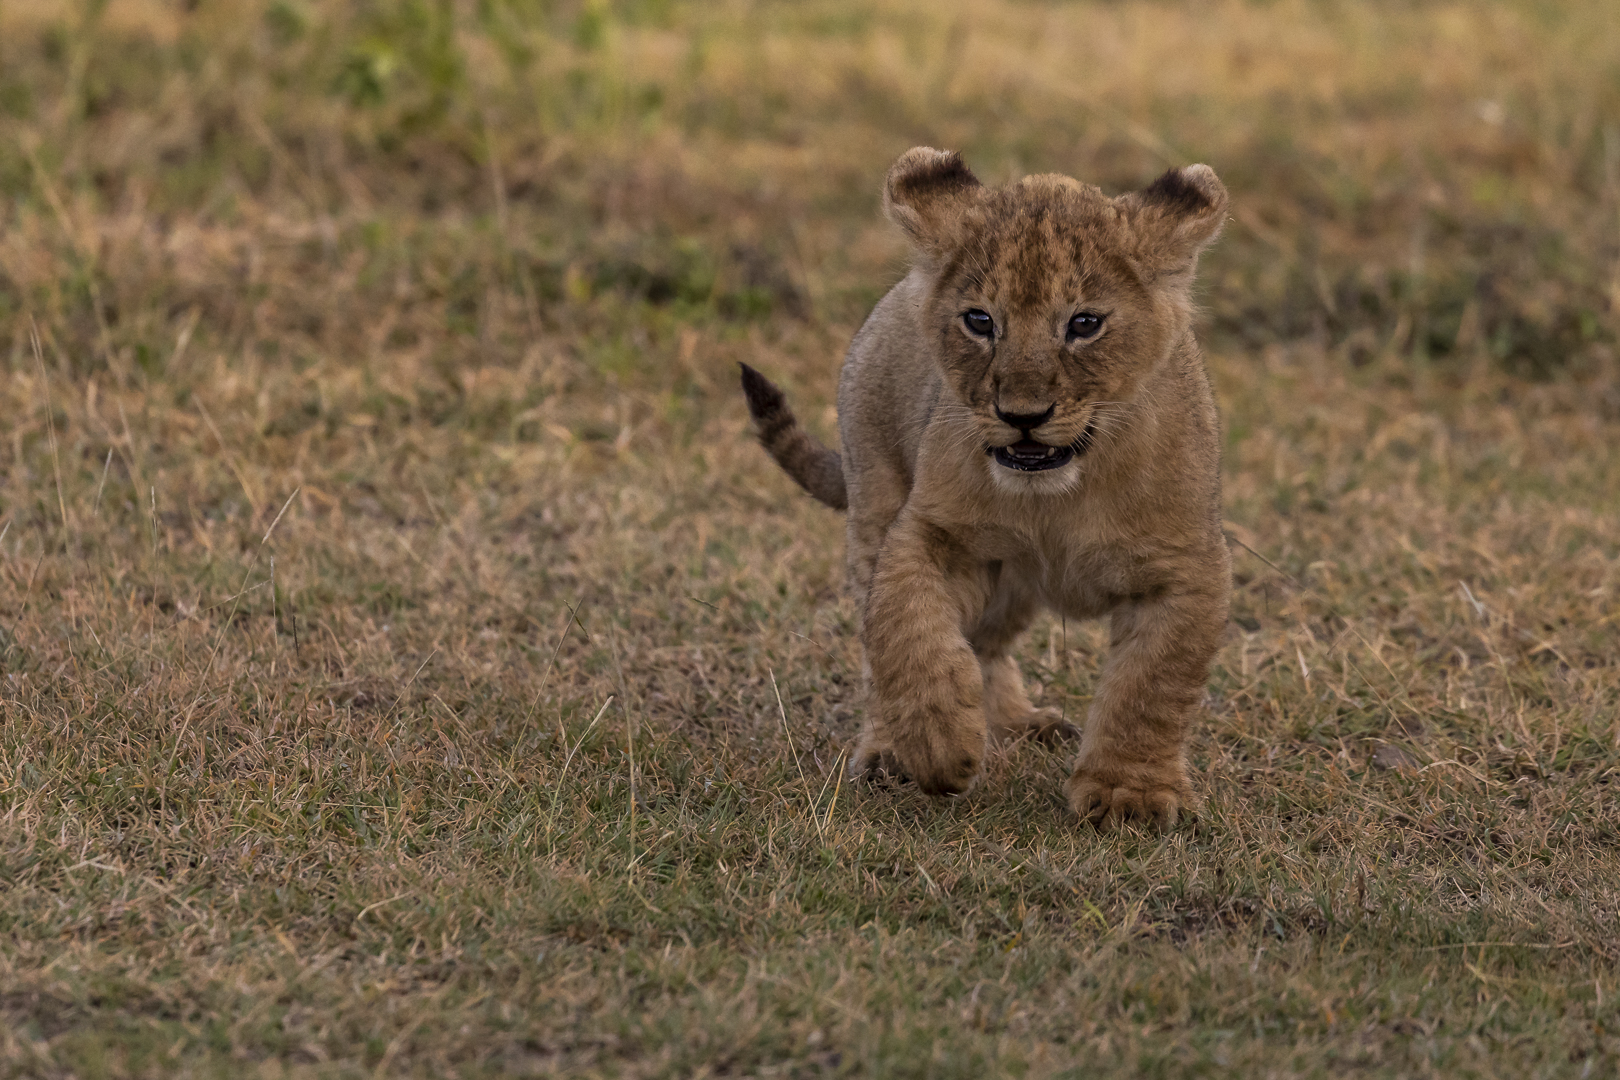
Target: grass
(410, 667)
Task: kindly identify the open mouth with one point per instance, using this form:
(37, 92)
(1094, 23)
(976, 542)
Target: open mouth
(1027, 455)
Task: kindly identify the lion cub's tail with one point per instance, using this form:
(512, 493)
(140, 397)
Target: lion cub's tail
(818, 470)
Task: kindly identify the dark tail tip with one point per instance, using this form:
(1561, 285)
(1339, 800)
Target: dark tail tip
(765, 401)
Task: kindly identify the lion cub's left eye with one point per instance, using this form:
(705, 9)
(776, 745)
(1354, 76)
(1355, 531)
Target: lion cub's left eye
(1084, 325)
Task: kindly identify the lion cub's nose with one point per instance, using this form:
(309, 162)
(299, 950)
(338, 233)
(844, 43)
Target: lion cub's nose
(1025, 422)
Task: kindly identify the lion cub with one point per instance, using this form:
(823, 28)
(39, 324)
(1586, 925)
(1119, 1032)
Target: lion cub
(1027, 423)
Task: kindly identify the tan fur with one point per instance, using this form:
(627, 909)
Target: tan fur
(952, 552)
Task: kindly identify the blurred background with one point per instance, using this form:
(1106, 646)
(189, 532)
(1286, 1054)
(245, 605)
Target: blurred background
(421, 189)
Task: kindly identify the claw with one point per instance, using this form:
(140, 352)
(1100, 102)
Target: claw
(1161, 800)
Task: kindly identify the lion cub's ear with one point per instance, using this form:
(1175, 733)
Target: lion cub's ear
(925, 194)
(1175, 217)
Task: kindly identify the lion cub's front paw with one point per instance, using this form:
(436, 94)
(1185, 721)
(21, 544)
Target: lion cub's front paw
(1111, 795)
(1039, 725)
(938, 770)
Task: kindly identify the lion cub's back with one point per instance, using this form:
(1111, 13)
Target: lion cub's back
(888, 386)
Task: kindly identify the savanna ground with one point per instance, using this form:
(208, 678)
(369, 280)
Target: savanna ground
(410, 667)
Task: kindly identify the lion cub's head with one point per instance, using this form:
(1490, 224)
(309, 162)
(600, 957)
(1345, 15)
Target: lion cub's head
(1049, 301)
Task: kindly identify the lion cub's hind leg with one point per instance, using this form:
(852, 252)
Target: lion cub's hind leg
(1008, 712)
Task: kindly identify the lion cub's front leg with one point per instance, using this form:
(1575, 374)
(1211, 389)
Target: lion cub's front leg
(1133, 752)
(925, 715)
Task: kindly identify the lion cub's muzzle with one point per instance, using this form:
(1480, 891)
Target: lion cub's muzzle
(1032, 455)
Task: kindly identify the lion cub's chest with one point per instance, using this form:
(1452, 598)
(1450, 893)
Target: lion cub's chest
(1079, 570)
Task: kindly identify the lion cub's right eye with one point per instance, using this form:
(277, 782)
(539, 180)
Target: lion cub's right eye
(979, 322)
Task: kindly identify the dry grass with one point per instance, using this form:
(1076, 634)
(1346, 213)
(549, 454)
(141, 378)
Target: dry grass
(393, 609)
